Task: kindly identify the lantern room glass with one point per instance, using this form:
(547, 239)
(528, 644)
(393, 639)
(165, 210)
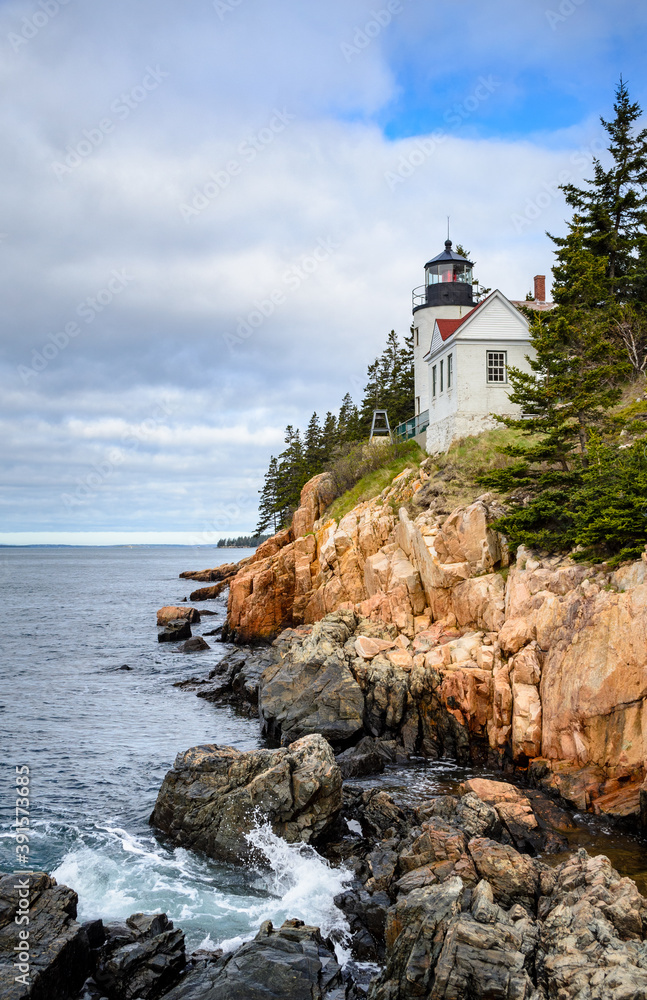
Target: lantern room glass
(449, 270)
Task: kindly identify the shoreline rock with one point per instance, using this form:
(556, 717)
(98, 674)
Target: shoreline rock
(172, 613)
(214, 796)
(545, 667)
(292, 962)
(175, 631)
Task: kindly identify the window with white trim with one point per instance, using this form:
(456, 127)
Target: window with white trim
(441, 375)
(417, 337)
(450, 370)
(433, 380)
(496, 367)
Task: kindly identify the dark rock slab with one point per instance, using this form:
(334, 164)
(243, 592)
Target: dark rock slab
(291, 963)
(195, 645)
(311, 688)
(369, 756)
(59, 950)
(142, 958)
(175, 631)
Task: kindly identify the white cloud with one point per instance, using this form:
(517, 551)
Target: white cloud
(158, 350)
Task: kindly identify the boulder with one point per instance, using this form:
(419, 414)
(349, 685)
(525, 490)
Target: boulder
(175, 631)
(415, 931)
(291, 963)
(514, 877)
(591, 934)
(439, 952)
(528, 831)
(216, 574)
(367, 647)
(311, 688)
(195, 645)
(209, 593)
(369, 756)
(141, 958)
(366, 915)
(59, 956)
(214, 796)
(171, 613)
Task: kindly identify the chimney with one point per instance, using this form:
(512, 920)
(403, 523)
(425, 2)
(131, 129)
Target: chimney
(540, 288)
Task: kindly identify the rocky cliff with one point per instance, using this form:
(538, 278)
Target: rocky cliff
(538, 661)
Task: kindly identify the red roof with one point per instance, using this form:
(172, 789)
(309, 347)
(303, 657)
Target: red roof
(449, 326)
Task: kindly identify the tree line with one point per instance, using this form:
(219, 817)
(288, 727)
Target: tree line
(389, 386)
(242, 542)
(577, 481)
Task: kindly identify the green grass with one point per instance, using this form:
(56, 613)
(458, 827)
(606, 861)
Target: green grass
(457, 471)
(373, 483)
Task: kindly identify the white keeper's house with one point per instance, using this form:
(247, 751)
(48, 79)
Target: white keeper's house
(462, 351)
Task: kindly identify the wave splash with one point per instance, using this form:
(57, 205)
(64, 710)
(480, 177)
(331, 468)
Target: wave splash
(301, 885)
(218, 906)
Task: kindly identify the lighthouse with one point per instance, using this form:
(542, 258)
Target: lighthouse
(446, 294)
(462, 352)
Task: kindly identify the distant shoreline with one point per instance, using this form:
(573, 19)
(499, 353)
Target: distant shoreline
(116, 545)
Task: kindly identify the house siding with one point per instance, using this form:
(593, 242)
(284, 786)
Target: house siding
(469, 407)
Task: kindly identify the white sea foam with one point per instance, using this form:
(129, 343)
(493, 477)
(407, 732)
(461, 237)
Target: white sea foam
(303, 885)
(117, 874)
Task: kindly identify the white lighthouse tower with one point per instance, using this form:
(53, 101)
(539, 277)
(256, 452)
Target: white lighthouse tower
(446, 294)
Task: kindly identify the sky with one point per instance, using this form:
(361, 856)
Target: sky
(212, 214)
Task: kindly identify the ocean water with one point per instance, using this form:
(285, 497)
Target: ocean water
(98, 740)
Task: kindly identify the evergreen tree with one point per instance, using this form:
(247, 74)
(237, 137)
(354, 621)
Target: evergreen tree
(348, 423)
(372, 399)
(313, 448)
(610, 214)
(480, 291)
(268, 505)
(580, 276)
(610, 512)
(575, 379)
(292, 475)
(329, 434)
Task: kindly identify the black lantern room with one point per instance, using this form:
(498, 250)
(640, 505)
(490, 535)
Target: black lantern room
(448, 281)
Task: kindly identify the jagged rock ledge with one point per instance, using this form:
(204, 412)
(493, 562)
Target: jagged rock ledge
(538, 662)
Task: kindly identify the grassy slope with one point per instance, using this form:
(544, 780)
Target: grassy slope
(372, 484)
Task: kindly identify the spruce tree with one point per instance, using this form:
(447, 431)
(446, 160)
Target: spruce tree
(389, 383)
(313, 447)
(292, 475)
(348, 422)
(329, 438)
(575, 379)
(610, 213)
(268, 505)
